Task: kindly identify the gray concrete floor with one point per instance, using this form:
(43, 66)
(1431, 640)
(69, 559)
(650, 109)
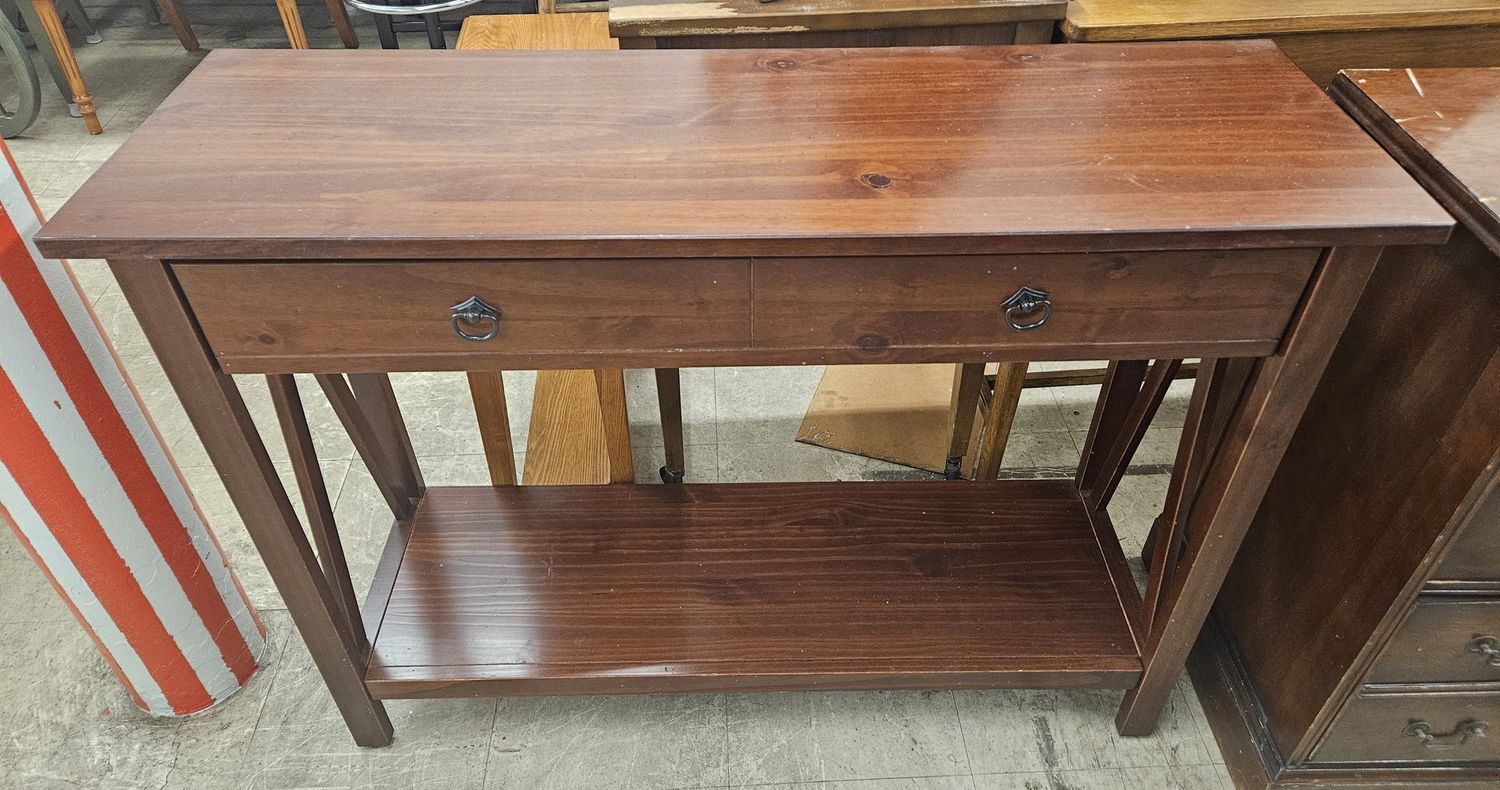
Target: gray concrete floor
(64, 722)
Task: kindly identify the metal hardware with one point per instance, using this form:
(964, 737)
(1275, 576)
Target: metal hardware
(475, 312)
(1461, 734)
(410, 10)
(1487, 646)
(1024, 302)
(953, 470)
(670, 476)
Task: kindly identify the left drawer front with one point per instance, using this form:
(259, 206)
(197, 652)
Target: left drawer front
(318, 316)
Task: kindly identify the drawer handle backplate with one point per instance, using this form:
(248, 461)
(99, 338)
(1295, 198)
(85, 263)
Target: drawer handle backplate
(1487, 646)
(478, 314)
(1461, 734)
(1027, 302)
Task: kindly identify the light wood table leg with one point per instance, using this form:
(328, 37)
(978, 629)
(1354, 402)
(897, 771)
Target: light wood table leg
(291, 19)
(52, 27)
(998, 418)
(610, 385)
(179, 23)
(488, 390)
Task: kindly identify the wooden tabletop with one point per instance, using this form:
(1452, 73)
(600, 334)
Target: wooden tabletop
(373, 154)
(1444, 124)
(1146, 20)
(694, 17)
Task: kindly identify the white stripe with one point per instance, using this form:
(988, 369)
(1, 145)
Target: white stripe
(48, 401)
(29, 523)
(86, 328)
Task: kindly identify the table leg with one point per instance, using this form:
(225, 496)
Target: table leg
(291, 19)
(52, 28)
(488, 392)
(1009, 380)
(610, 385)
(1275, 396)
(340, 17)
(218, 414)
(968, 379)
(179, 23)
(669, 401)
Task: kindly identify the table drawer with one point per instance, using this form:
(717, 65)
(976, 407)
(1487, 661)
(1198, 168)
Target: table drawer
(1437, 727)
(260, 317)
(1444, 640)
(1102, 306)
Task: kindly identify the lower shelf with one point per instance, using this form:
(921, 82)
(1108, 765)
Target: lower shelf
(636, 588)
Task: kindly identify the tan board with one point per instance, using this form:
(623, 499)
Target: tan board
(896, 413)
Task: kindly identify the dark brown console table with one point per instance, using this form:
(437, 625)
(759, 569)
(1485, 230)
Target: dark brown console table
(749, 207)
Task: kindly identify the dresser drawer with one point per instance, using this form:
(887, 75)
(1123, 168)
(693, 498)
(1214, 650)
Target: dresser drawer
(1417, 727)
(1444, 640)
(1102, 306)
(260, 317)
(1475, 555)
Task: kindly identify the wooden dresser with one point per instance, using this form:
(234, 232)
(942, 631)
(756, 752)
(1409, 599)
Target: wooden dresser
(1320, 36)
(1357, 639)
(712, 24)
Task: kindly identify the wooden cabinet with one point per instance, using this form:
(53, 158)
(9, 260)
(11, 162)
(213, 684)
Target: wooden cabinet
(1357, 638)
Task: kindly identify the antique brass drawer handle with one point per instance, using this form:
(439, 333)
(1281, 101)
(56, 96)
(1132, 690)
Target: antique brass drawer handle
(1487, 646)
(1027, 302)
(1461, 734)
(477, 314)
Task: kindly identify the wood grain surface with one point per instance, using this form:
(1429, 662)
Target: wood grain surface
(633, 588)
(861, 151)
(536, 31)
(1140, 20)
(1445, 124)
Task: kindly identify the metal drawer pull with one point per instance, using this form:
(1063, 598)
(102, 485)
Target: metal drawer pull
(1487, 646)
(475, 312)
(1461, 734)
(1025, 302)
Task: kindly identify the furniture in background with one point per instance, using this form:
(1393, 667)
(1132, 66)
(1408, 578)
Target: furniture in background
(1357, 639)
(245, 249)
(643, 24)
(1320, 36)
(573, 412)
(708, 24)
(51, 37)
(296, 34)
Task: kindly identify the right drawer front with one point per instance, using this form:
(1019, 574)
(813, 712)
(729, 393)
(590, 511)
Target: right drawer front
(1102, 306)
(1415, 728)
(1445, 640)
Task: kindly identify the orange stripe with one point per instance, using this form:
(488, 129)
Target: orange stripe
(97, 409)
(42, 476)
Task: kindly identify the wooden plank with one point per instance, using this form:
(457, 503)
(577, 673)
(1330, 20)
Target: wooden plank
(669, 154)
(568, 589)
(565, 444)
(488, 391)
(1141, 20)
(629, 18)
(536, 31)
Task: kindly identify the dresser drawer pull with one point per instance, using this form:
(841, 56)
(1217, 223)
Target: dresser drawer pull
(1487, 646)
(1461, 734)
(1024, 303)
(477, 314)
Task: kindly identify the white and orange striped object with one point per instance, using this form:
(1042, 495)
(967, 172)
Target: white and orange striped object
(87, 486)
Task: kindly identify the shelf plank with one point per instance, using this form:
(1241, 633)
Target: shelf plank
(558, 590)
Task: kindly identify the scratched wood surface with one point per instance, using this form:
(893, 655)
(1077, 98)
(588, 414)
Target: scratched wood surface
(1141, 20)
(1446, 124)
(743, 152)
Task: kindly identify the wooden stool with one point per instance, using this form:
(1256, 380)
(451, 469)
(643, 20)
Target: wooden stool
(572, 410)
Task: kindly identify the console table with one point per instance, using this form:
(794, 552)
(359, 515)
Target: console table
(748, 207)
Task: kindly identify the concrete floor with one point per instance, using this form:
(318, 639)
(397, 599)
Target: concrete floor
(64, 722)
